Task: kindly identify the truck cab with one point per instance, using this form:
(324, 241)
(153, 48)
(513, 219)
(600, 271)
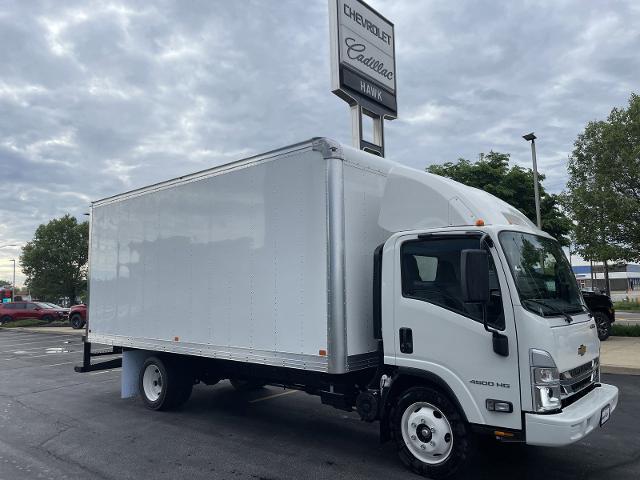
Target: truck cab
(488, 311)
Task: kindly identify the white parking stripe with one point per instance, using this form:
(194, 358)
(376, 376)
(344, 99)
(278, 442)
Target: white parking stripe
(269, 397)
(29, 343)
(56, 364)
(17, 357)
(38, 347)
(102, 371)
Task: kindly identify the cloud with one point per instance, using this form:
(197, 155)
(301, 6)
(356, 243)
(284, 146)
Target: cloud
(98, 97)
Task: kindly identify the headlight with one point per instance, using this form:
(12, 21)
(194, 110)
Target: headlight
(545, 375)
(545, 382)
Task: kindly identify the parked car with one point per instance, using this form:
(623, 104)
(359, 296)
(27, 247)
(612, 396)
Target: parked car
(603, 312)
(78, 316)
(19, 310)
(64, 310)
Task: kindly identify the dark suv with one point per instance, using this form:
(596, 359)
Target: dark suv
(603, 312)
(18, 310)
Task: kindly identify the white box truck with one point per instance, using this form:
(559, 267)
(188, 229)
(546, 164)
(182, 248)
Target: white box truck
(434, 308)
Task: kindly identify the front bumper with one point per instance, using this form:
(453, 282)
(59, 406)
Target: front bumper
(574, 422)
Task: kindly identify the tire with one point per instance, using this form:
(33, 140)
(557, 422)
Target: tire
(430, 434)
(246, 385)
(5, 319)
(163, 384)
(47, 318)
(603, 325)
(76, 321)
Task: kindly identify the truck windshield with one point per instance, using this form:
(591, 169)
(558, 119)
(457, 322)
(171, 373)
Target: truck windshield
(542, 274)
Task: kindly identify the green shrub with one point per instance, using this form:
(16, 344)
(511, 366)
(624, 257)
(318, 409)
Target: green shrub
(624, 305)
(625, 330)
(25, 322)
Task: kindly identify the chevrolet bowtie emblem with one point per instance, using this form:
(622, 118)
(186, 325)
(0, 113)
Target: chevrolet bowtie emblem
(582, 349)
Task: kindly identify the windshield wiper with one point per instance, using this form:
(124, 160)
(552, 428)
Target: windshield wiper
(553, 309)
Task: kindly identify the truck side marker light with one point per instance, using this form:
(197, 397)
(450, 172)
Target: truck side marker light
(322, 353)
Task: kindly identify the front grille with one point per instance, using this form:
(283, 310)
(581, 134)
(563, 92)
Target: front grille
(578, 378)
(580, 370)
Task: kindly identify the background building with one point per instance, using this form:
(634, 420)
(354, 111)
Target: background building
(624, 278)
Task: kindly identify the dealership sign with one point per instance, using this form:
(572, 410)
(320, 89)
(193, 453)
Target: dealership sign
(363, 64)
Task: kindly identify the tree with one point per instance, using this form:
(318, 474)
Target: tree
(603, 191)
(514, 185)
(55, 261)
(5, 283)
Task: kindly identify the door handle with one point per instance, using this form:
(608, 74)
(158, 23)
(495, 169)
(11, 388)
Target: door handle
(406, 340)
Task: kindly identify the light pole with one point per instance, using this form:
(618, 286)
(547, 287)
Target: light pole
(532, 138)
(13, 290)
(13, 285)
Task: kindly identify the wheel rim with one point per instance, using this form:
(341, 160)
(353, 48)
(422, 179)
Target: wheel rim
(152, 382)
(602, 326)
(427, 433)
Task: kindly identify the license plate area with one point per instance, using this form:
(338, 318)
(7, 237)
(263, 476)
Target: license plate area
(605, 414)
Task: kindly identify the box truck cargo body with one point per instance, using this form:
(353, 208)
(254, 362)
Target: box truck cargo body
(434, 308)
(266, 260)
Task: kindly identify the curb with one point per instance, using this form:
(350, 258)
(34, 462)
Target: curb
(40, 330)
(617, 370)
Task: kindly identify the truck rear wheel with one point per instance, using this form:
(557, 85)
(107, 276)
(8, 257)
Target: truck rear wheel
(603, 324)
(430, 434)
(163, 384)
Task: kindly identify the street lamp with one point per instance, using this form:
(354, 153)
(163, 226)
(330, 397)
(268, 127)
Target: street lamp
(532, 138)
(13, 290)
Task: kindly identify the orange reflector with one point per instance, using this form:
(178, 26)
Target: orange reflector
(176, 339)
(498, 433)
(479, 222)
(322, 353)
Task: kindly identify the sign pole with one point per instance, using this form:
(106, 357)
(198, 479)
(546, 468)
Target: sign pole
(363, 68)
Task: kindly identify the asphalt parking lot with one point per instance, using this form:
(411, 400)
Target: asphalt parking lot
(58, 424)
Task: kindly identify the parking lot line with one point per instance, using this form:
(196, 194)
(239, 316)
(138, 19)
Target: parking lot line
(29, 350)
(57, 364)
(15, 357)
(103, 371)
(269, 397)
(27, 343)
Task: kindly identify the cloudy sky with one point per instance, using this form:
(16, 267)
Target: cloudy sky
(100, 97)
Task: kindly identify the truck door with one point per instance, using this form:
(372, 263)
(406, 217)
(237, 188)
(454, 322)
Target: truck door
(436, 332)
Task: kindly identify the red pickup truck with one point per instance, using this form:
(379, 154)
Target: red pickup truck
(78, 316)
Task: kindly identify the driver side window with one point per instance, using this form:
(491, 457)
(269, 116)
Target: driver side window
(431, 273)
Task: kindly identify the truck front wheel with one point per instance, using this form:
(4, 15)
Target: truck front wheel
(163, 384)
(430, 434)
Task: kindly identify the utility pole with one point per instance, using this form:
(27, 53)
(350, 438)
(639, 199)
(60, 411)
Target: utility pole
(13, 290)
(530, 137)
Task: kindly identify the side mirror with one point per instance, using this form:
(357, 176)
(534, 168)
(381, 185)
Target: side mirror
(37, 308)
(474, 280)
(474, 276)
